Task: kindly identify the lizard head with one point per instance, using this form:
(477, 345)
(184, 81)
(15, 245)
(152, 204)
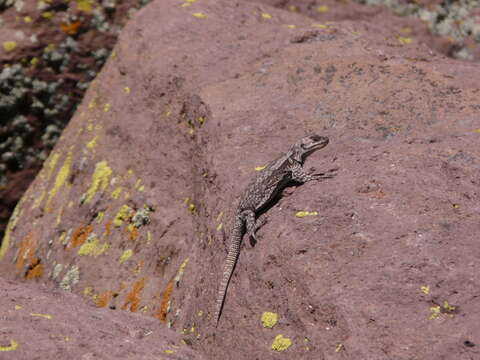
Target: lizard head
(307, 145)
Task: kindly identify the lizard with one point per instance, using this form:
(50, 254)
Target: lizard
(259, 195)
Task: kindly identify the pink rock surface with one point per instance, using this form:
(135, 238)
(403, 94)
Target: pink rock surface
(39, 322)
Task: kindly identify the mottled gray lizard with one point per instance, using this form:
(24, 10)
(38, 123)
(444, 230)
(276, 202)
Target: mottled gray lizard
(259, 195)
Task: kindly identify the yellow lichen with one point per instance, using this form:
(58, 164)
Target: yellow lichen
(434, 312)
(404, 40)
(61, 238)
(92, 143)
(269, 319)
(449, 308)
(51, 163)
(266, 16)
(13, 346)
(125, 256)
(88, 292)
(48, 14)
(46, 316)
(281, 343)
(199, 15)
(425, 289)
(322, 8)
(85, 5)
(260, 168)
(9, 46)
(38, 200)
(306, 213)
(100, 216)
(93, 248)
(100, 180)
(10, 226)
(92, 104)
(60, 180)
(138, 183)
(107, 107)
(59, 216)
(181, 270)
(116, 193)
(123, 214)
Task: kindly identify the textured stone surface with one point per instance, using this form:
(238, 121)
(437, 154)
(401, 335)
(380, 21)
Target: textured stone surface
(38, 323)
(193, 99)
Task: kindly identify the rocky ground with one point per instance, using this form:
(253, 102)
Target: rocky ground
(132, 208)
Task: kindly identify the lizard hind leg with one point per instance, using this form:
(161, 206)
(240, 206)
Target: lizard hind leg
(250, 224)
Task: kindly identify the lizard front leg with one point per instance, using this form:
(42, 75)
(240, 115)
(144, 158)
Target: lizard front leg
(299, 174)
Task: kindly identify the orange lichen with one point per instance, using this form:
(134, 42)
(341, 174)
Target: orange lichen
(104, 298)
(108, 228)
(161, 314)
(132, 232)
(133, 297)
(26, 254)
(80, 235)
(70, 28)
(35, 271)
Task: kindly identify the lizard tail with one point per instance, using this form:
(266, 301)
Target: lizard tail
(232, 256)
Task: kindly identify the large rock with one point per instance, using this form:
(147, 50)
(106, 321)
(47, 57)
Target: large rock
(131, 206)
(43, 323)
